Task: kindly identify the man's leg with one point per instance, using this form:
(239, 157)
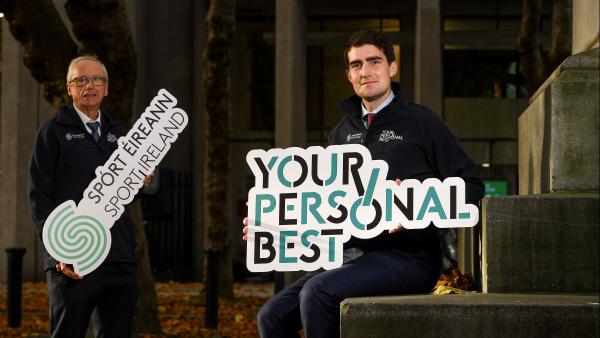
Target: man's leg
(113, 317)
(373, 273)
(280, 315)
(71, 304)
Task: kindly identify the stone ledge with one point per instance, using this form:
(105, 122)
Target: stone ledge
(588, 59)
(471, 315)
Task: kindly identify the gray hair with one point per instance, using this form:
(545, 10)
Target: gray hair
(76, 60)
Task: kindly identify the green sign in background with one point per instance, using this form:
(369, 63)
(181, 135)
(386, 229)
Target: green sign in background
(495, 188)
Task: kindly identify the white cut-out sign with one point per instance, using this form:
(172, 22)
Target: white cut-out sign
(306, 203)
(80, 234)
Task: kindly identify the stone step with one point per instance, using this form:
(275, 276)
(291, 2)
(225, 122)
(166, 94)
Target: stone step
(546, 243)
(471, 315)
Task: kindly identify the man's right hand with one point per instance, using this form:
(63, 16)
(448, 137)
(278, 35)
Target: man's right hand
(245, 230)
(67, 270)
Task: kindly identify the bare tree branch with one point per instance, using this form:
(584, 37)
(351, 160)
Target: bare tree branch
(48, 47)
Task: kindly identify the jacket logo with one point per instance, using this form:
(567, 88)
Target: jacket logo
(111, 137)
(353, 137)
(70, 136)
(389, 135)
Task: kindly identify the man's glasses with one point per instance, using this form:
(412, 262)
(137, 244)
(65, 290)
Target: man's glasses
(84, 80)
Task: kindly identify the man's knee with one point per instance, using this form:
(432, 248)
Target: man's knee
(315, 291)
(267, 313)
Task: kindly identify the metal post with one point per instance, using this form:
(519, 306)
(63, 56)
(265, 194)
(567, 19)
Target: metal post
(211, 295)
(13, 285)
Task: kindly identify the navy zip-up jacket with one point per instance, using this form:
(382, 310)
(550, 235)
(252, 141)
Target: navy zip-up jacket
(62, 165)
(416, 144)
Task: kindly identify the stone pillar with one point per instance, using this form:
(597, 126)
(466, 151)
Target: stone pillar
(169, 40)
(586, 25)
(428, 55)
(290, 74)
(558, 132)
(407, 59)
(23, 110)
(290, 80)
(551, 228)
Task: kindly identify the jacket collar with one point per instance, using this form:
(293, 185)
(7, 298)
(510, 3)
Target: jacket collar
(352, 105)
(68, 116)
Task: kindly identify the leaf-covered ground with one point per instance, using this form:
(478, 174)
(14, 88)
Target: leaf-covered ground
(180, 308)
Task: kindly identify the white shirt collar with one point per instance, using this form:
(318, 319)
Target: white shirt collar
(85, 119)
(380, 107)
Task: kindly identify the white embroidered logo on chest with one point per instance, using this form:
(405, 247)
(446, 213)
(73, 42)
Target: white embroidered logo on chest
(70, 136)
(111, 138)
(353, 137)
(388, 135)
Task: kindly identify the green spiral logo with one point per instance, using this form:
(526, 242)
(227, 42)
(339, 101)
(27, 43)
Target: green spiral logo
(75, 238)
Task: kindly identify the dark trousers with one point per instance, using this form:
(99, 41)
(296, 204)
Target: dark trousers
(109, 293)
(313, 302)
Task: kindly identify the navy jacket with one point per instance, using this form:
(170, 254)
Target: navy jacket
(416, 144)
(62, 165)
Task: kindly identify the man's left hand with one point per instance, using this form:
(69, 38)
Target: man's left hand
(149, 179)
(399, 227)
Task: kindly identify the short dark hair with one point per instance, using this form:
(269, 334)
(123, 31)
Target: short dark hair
(376, 39)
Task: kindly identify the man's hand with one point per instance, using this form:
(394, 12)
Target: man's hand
(149, 179)
(67, 270)
(245, 230)
(399, 227)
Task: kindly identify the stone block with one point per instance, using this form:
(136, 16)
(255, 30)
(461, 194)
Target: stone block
(541, 243)
(558, 132)
(471, 315)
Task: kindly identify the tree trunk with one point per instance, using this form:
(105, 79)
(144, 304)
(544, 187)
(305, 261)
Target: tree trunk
(561, 33)
(220, 21)
(532, 62)
(146, 311)
(535, 65)
(102, 28)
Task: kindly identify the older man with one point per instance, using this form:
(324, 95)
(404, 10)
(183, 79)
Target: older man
(399, 262)
(66, 152)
